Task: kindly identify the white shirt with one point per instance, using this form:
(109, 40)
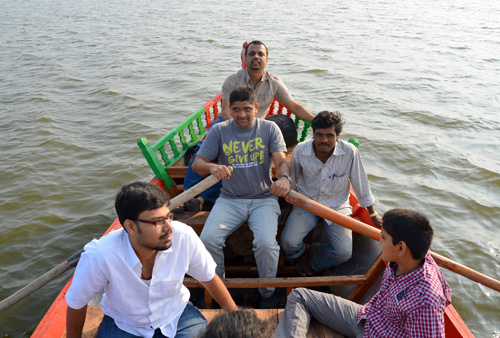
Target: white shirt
(110, 263)
(329, 183)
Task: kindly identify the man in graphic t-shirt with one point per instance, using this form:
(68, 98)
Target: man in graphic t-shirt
(248, 194)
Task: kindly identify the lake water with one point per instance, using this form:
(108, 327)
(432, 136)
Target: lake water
(81, 81)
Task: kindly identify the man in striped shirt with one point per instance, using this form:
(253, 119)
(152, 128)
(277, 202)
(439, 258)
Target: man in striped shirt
(411, 300)
(323, 169)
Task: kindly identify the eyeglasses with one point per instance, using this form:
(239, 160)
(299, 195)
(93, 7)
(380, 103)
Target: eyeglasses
(159, 222)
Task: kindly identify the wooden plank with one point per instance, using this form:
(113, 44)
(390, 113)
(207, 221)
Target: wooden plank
(209, 314)
(455, 327)
(92, 322)
(283, 282)
(177, 172)
(375, 270)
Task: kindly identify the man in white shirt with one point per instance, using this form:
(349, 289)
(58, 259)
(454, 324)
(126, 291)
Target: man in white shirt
(323, 169)
(141, 268)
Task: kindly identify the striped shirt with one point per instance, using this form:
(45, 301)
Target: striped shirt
(410, 305)
(329, 183)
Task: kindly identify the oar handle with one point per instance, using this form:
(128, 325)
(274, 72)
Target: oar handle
(72, 261)
(39, 282)
(322, 211)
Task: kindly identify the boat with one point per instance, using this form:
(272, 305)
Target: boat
(358, 279)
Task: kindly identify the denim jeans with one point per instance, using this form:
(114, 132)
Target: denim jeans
(262, 216)
(191, 178)
(299, 223)
(335, 312)
(190, 323)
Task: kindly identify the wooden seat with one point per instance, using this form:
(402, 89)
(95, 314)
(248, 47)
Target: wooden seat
(272, 316)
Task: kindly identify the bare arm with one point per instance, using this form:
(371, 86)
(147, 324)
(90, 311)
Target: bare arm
(377, 219)
(225, 110)
(202, 166)
(281, 186)
(74, 322)
(219, 291)
(299, 110)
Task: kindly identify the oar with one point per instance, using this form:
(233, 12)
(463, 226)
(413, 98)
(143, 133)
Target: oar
(324, 212)
(72, 261)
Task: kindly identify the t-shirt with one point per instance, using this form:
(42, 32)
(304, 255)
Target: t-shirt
(248, 151)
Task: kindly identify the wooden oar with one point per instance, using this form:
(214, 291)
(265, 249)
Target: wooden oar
(369, 231)
(72, 261)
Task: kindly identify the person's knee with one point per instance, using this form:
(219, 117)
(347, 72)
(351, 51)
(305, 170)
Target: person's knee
(287, 246)
(209, 240)
(266, 245)
(343, 254)
(297, 295)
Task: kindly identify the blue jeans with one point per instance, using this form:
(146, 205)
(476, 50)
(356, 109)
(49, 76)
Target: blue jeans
(190, 323)
(299, 223)
(191, 178)
(228, 215)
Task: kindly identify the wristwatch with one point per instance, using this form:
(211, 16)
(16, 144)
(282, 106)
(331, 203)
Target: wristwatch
(287, 177)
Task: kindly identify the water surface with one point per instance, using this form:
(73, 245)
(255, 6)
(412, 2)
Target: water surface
(417, 83)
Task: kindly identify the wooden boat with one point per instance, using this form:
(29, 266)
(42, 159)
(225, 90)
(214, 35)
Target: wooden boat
(358, 279)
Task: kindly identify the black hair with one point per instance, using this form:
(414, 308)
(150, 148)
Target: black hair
(256, 42)
(241, 94)
(327, 119)
(134, 198)
(243, 323)
(411, 227)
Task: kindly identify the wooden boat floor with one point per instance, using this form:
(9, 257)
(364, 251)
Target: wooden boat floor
(316, 329)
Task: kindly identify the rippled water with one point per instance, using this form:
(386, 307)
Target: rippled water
(82, 81)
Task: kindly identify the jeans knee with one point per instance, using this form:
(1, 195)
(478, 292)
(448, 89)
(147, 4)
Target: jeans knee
(344, 255)
(296, 296)
(209, 241)
(285, 246)
(266, 245)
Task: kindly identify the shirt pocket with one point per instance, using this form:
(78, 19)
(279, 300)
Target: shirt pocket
(338, 182)
(169, 288)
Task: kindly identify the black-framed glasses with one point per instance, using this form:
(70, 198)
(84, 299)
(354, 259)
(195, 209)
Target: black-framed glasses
(159, 222)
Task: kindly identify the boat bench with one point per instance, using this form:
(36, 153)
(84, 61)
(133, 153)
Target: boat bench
(272, 316)
(197, 219)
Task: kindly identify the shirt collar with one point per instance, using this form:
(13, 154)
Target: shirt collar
(130, 255)
(247, 78)
(414, 275)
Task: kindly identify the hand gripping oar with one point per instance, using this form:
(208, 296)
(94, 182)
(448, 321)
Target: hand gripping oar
(324, 212)
(73, 260)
